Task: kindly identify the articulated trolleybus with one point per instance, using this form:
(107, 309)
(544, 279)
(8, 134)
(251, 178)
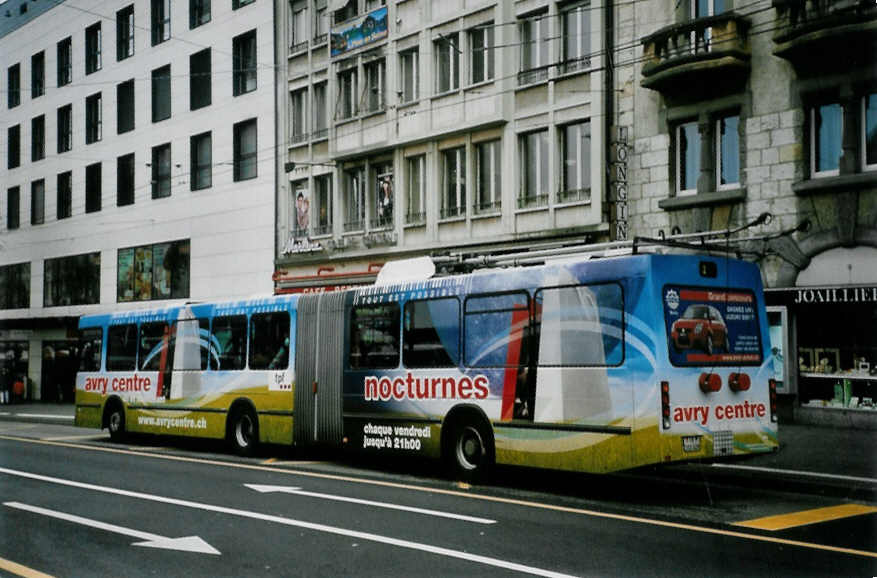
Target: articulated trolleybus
(583, 362)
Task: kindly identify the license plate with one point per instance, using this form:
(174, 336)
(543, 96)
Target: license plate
(691, 443)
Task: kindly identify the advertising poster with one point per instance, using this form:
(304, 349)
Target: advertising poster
(143, 273)
(711, 326)
(302, 212)
(125, 283)
(384, 200)
(359, 32)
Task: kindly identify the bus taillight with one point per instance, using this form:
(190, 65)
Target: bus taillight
(665, 404)
(772, 385)
(710, 382)
(739, 382)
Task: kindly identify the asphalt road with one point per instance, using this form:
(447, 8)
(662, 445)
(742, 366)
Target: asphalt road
(74, 504)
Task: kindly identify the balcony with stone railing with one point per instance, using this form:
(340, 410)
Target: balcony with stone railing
(704, 55)
(822, 35)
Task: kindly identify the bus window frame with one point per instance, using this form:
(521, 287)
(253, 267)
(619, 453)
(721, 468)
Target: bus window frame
(459, 331)
(136, 338)
(218, 356)
(351, 324)
(526, 331)
(250, 342)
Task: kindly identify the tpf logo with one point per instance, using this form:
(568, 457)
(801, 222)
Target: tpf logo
(672, 299)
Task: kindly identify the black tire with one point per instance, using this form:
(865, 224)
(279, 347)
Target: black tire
(116, 422)
(469, 450)
(243, 432)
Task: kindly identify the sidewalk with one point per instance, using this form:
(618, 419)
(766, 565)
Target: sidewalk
(806, 451)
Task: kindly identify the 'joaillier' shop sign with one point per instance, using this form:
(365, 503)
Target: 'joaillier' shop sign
(816, 295)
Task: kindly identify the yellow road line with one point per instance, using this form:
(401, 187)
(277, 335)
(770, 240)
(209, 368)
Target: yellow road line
(20, 570)
(68, 438)
(462, 494)
(794, 519)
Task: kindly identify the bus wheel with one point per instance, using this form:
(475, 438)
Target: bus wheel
(116, 422)
(470, 450)
(243, 432)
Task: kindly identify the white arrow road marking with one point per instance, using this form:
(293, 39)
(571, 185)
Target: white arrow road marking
(300, 492)
(300, 524)
(187, 544)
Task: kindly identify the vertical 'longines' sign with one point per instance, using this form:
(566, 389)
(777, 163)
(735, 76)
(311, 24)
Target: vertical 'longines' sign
(618, 184)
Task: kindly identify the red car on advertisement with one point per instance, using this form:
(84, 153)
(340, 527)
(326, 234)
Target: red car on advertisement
(701, 327)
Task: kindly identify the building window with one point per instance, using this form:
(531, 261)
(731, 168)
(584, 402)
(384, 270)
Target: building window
(321, 129)
(410, 75)
(245, 165)
(125, 180)
(235, 4)
(15, 286)
(354, 199)
(199, 13)
(297, 116)
(65, 128)
(149, 272)
(346, 107)
(575, 147)
(447, 63)
(161, 171)
(93, 60)
(375, 85)
(298, 26)
(534, 50)
(301, 213)
(38, 202)
(72, 280)
(125, 106)
(125, 33)
(65, 195)
(488, 174)
(454, 182)
(383, 213)
(38, 74)
(200, 92)
(481, 45)
(13, 144)
(345, 12)
(93, 119)
(534, 169)
(161, 21)
(869, 131)
(13, 208)
(826, 126)
(321, 23)
(93, 188)
(38, 138)
(415, 213)
(728, 152)
(201, 155)
(13, 85)
(244, 62)
(576, 23)
(161, 93)
(687, 158)
(323, 204)
(65, 61)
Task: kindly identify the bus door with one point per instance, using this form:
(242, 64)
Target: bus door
(318, 363)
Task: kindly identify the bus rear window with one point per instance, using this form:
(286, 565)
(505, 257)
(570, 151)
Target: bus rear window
(711, 326)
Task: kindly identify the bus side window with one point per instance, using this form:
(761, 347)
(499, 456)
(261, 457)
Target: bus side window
(580, 325)
(122, 348)
(496, 328)
(153, 343)
(374, 336)
(269, 340)
(189, 344)
(431, 334)
(229, 336)
(90, 342)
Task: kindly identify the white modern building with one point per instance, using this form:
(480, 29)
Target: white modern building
(138, 164)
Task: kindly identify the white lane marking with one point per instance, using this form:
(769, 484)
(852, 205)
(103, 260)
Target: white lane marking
(42, 415)
(300, 524)
(796, 472)
(293, 490)
(186, 544)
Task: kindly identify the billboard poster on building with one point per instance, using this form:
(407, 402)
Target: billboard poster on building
(143, 273)
(360, 31)
(161, 276)
(125, 287)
